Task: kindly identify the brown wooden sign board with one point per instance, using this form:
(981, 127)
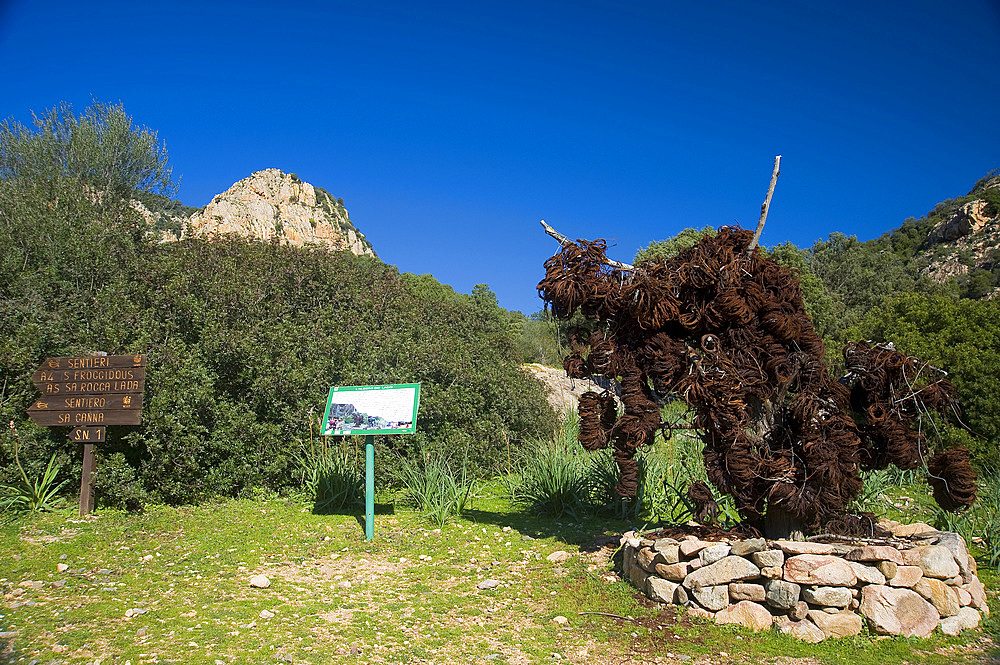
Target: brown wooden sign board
(109, 402)
(43, 377)
(70, 388)
(94, 362)
(77, 418)
(89, 434)
(88, 394)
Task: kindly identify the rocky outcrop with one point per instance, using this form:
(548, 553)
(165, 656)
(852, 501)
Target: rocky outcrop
(908, 585)
(273, 206)
(968, 219)
(967, 239)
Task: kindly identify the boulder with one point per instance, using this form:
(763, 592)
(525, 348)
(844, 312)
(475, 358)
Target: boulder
(867, 574)
(943, 597)
(747, 614)
(712, 598)
(800, 611)
(768, 558)
(895, 611)
(799, 629)
(819, 570)
(661, 590)
(745, 591)
(693, 546)
(907, 530)
(841, 624)
(936, 561)
(827, 596)
(966, 618)
(669, 552)
(977, 591)
(647, 558)
(724, 571)
(906, 576)
(793, 547)
(781, 594)
(747, 547)
(637, 576)
(887, 568)
(675, 572)
(875, 553)
(710, 555)
(956, 545)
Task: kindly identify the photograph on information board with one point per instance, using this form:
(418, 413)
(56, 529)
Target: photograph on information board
(372, 409)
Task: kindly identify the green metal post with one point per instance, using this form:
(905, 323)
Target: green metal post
(369, 487)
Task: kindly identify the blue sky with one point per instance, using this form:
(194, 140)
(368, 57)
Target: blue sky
(450, 129)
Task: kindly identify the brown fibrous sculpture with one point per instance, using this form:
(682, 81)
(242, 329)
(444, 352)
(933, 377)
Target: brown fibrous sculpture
(724, 328)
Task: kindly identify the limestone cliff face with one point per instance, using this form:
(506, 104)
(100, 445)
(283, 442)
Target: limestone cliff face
(274, 206)
(967, 240)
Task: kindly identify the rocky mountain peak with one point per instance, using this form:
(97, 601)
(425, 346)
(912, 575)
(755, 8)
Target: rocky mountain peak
(274, 206)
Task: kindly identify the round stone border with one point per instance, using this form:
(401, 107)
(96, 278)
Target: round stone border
(911, 584)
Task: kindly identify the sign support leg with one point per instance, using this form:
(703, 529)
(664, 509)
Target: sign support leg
(87, 480)
(369, 487)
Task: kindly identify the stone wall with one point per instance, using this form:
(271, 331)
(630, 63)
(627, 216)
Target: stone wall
(813, 590)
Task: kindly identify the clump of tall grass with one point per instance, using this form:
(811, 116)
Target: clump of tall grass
(561, 478)
(554, 480)
(332, 476)
(435, 489)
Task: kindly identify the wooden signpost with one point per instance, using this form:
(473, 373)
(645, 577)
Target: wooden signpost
(88, 394)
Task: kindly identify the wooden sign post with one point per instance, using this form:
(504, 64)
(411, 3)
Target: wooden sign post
(88, 394)
(371, 410)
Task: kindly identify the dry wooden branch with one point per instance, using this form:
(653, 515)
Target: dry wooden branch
(563, 240)
(765, 206)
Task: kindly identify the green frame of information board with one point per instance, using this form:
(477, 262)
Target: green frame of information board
(369, 397)
(349, 395)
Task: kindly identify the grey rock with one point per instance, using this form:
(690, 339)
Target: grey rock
(937, 561)
(768, 558)
(780, 594)
(724, 571)
(712, 598)
(747, 547)
(827, 596)
(488, 584)
(661, 590)
(710, 555)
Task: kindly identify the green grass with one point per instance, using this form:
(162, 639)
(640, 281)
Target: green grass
(408, 596)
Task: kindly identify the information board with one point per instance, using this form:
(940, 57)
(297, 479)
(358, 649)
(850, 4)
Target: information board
(371, 410)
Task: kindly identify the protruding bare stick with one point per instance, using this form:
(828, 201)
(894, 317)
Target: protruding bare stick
(767, 204)
(563, 240)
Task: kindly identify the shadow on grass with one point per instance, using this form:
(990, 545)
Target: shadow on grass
(358, 510)
(588, 533)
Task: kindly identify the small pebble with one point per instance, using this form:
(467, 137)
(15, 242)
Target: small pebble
(266, 614)
(260, 582)
(559, 619)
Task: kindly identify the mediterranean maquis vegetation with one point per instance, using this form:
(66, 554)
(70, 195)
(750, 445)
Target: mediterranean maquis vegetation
(243, 339)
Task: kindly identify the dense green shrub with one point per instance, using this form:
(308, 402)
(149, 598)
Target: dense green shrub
(961, 336)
